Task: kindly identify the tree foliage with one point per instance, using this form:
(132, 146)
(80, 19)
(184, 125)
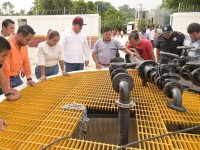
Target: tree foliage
(113, 19)
(103, 7)
(142, 24)
(173, 4)
(7, 8)
(52, 5)
(129, 12)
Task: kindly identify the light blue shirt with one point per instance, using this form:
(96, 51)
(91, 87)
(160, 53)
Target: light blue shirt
(103, 50)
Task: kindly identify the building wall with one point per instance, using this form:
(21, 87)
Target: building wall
(180, 21)
(41, 24)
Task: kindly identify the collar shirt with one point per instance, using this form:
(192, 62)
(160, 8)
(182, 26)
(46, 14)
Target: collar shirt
(170, 45)
(194, 53)
(151, 34)
(49, 56)
(103, 50)
(75, 46)
(143, 36)
(16, 60)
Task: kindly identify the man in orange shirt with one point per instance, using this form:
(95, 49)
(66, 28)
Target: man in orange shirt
(10, 94)
(18, 57)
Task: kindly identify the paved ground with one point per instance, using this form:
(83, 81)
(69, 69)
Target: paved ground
(33, 57)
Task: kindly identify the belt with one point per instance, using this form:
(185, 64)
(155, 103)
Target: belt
(14, 76)
(104, 64)
(51, 66)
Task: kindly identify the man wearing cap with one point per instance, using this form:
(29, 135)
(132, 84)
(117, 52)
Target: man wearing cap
(75, 46)
(169, 40)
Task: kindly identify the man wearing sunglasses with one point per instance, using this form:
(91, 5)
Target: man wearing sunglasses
(169, 40)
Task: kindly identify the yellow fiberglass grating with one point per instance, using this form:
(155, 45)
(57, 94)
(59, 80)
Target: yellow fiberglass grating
(38, 115)
(86, 92)
(13, 135)
(186, 141)
(149, 121)
(10, 144)
(52, 131)
(75, 144)
(190, 101)
(21, 128)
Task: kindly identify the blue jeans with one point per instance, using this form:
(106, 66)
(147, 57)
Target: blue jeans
(49, 71)
(15, 81)
(73, 66)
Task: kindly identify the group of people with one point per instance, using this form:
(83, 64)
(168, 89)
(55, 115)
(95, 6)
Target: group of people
(71, 51)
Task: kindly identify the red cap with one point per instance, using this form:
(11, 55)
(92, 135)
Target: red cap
(78, 20)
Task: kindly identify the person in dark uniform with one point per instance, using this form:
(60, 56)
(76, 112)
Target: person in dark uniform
(168, 41)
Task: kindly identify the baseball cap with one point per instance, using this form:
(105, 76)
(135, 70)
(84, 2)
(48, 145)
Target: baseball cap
(78, 20)
(166, 29)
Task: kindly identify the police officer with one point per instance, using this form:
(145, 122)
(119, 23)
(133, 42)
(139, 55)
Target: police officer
(169, 40)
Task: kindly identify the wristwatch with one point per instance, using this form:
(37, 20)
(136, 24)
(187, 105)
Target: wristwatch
(29, 79)
(8, 94)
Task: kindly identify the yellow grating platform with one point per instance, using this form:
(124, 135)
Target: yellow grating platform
(37, 118)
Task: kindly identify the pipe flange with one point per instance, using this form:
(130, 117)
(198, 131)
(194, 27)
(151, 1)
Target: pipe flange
(196, 77)
(185, 72)
(143, 65)
(159, 82)
(122, 77)
(169, 86)
(170, 105)
(171, 76)
(149, 72)
(130, 105)
(116, 71)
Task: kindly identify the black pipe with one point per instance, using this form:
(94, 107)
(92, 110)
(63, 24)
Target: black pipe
(124, 113)
(177, 97)
(122, 83)
(148, 71)
(177, 100)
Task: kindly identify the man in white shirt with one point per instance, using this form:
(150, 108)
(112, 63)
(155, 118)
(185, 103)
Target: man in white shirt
(75, 46)
(151, 34)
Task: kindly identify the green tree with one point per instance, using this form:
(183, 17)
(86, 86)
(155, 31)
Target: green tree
(1, 13)
(142, 24)
(50, 6)
(102, 7)
(80, 6)
(173, 4)
(129, 12)
(7, 8)
(91, 7)
(113, 19)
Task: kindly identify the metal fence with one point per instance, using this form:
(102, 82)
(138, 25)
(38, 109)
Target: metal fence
(61, 12)
(188, 8)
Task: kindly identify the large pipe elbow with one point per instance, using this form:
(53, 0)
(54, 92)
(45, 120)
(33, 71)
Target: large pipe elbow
(177, 97)
(124, 91)
(177, 100)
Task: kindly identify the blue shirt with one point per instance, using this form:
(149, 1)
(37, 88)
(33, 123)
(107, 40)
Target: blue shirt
(103, 50)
